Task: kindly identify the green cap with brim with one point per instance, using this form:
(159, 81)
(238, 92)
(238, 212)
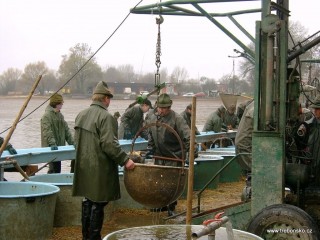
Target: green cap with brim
(102, 88)
(164, 100)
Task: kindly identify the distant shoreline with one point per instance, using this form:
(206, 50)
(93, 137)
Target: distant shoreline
(116, 97)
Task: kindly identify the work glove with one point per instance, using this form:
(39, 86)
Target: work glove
(224, 128)
(11, 150)
(54, 147)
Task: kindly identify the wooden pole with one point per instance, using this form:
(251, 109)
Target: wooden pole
(14, 125)
(191, 162)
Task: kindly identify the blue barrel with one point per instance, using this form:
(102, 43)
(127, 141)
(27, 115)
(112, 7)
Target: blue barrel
(68, 208)
(27, 210)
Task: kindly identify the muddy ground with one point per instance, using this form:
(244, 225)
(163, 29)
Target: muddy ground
(223, 195)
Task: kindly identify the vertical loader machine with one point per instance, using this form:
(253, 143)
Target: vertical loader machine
(285, 198)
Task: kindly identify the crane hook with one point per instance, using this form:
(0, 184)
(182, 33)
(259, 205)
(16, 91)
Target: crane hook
(159, 20)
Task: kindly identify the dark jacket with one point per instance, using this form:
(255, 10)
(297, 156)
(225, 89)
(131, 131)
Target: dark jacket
(164, 143)
(214, 122)
(131, 123)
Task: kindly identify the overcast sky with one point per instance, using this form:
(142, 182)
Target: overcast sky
(38, 30)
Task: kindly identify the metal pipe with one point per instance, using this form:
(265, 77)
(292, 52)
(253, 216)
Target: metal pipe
(166, 3)
(168, 158)
(269, 81)
(242, 28)
(210, 228)
(303, 49)
(222, 28)
(191, 162)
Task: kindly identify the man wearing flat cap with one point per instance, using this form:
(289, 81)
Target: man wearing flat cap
(98, 154)
(132, 120)
(54, 129)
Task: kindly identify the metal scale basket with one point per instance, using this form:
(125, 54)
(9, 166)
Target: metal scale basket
(155, 186)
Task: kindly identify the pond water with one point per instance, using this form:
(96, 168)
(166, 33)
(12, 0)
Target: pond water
(27, 132)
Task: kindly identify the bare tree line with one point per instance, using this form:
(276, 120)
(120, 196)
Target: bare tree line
(81, 74)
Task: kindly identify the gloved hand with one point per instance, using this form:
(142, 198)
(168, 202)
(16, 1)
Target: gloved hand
(149, 154)
(54, 147)
(11, 149)
(224, 128)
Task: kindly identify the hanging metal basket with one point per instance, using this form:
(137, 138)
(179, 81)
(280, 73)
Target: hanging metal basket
(155, 186)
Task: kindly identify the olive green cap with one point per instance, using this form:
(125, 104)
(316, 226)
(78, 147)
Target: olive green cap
(164, 100)
(56, 99)
(102, 88)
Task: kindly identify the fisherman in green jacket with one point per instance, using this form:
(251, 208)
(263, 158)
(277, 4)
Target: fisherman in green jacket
(215, 120)
(54, 129)
(243, 140)
(98, 154)
(162, 142)
(186, 114)
(132, 120)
